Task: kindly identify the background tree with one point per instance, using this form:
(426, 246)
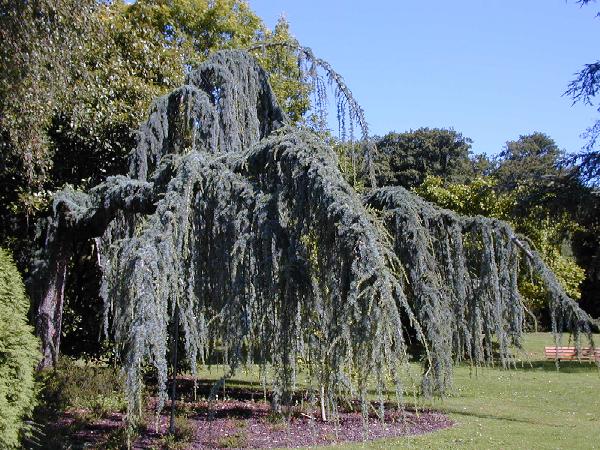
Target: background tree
(541, 174)
(89, 96)
(287, 78)
(533, 159)
(40, 55)
(406, 159)
(147, 50)
(549, 187)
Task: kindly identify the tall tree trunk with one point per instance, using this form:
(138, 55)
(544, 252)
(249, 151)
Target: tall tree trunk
(50, 307)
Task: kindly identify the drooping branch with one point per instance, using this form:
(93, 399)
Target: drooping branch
(75, 217)
(349, 111)
(463, 274)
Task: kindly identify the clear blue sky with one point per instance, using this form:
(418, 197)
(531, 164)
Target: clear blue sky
(491, 69)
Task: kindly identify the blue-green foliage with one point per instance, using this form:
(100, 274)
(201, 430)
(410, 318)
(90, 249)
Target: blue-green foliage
(246, 227)
(19, 355)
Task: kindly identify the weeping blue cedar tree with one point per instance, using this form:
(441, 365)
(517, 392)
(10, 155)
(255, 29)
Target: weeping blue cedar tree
(244, 225)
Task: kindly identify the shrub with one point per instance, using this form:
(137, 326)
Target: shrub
(19, 354)
(237, 440)
(92, 387)
(184, 434)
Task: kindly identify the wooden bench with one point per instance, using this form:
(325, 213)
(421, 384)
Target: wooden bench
(570, 353)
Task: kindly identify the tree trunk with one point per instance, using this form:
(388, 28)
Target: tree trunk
(50, 308)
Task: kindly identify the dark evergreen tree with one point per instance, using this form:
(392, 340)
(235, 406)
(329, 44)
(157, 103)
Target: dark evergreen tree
(406, 159)
(585, 88)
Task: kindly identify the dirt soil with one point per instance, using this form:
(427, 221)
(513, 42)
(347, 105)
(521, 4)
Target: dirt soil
(242, 421)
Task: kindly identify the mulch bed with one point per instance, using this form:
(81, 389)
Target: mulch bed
(241, 421)
(248, 424)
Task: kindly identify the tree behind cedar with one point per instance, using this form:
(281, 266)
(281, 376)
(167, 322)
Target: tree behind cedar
(39, 52)
(40, 44)
(536, 168)
(198, 27)
(406, 159)
(147, 49)
(533, 159)
(87, 73)
(285, 75)
(126, 67)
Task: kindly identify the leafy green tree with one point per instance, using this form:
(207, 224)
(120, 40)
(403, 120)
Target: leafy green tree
(147, 49)
(478, 197)
(19, 354)
(406, 159)
(69, 114)
(533, 159)
(547, 186)
(198, 27)
(543, 177)
(125, 68)
(40, 54)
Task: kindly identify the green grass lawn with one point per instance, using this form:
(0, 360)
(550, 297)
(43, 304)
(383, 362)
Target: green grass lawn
(529, 407)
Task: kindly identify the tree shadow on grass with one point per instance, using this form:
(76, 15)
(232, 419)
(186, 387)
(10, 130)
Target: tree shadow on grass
(480, 415)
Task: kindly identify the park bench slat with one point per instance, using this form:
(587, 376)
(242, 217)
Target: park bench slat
(570, 353)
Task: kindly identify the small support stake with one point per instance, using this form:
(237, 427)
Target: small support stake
(323, 414)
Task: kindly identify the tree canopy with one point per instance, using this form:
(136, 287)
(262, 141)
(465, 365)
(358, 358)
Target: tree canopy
(405, 159)
(88, 72)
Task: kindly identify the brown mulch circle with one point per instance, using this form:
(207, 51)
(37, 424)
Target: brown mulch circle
(244, 421)
(250, 424)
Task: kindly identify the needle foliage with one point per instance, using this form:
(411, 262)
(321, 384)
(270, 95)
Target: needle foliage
(18, 355)
(244, 226)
